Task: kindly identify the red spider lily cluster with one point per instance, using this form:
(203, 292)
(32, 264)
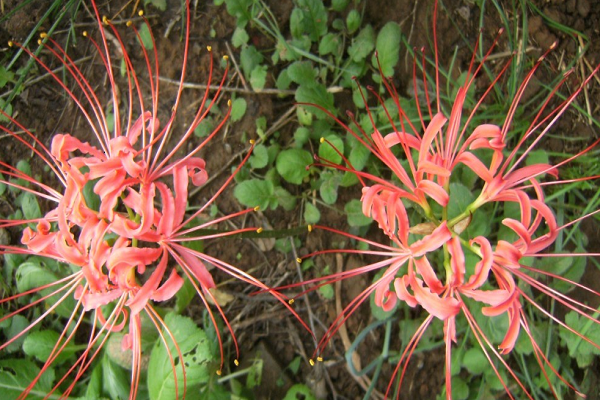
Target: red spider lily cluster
(425, 264)
(130, 252)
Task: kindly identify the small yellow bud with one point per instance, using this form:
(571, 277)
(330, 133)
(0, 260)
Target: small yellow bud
(320, 359)
(209, 48)
(141, 13)
(259, 230)
(229, 103)
(225, 57)
(105, 20)
(219, 372)
(252, 141)
(299, 260)
(291, 301)
(129, 23)
(311, 362)
(310, 228)
(256, 208)
(84, 33)
(39, 41)
(43, 35)
(322, 140)
(10, 43)
(236, 362)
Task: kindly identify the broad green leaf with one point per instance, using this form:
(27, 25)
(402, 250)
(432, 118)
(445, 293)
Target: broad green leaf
(330, 44)
(339, 5)
(299, 389)
(2, 185)
(239, 37)
(258, 77)
(260, 157)
(284, 198)
(474, 361)
(292, 165)
(460, 198)
(94, 386)
(205, 127)
(301, 136)
(283, 80)
(329, 187)
(327, 291)
(193, 345)
(17, 374)
(238, 109)
(363, 44)
(318, 95)
(331, 149)
(39, 344)
(159, 4)
(18, 324)
(255, 374)
(537, 157)
(254, 192)
(115, 380)
(359, 155)
(312, 215)
(29, 205)
(353, 21)
(388, 48)
(302, 73)
(184, 295)
(354, 213)
(250, 58)
(6, 76)
(241, 9)
(580, 349)
(313, 20)
(146, 37)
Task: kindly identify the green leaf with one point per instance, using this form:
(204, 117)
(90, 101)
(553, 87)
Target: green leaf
(260, 157)
(250, 58)
(354, 213)
(299, 391)
(146, 37)
(239, 37)
(254, 192)
(115, 380)
(283, 80)
(6, 76)
(580, 349)
(313, 20)
(327, 151)
(184, 295)
(258, 77)
(388, 50)
(292, 165)
(193, 345)
(316, 94)
(329, 187)
(238, 109)
(376, 311)
(40, 344)
(205, 127)
(330, 44)
(301, 136)
(363, 44)
(2, 185)
(302, 73)
(327, 291)
(284, 198)
(241, 9)
(339, 5)
(475, 362)
(359, 155)
(159, 4)
(353, 21)
(17, 374)
(255, 374)
(312, 215)
(29, 205)
(18, 324)
(94, 386)
(460, 198)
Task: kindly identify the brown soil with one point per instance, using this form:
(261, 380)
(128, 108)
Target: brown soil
(260, 322)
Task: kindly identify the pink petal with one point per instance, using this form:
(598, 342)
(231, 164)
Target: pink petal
(394, 138)
(440, 307)
(434, 127)
(429, 276)
(435, 240)
(435, 191)
(139, 301)
(474, 165)
(402, 293)
(385, 298)
(482, 268)
(457, 261)
(169, 288)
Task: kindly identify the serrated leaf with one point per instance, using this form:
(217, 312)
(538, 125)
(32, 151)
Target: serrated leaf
(388, 49)
(316, 94)
(356, 218)
(302, 73)
(292, 165)
(193, 345)
(312, 215)
(238, 109)
(254, 192)
(363, 44)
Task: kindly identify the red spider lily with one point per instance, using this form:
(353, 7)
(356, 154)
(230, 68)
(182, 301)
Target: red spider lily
(128, 252)
(434, 274)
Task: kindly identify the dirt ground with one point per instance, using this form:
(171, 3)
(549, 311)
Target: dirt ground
(260, 323)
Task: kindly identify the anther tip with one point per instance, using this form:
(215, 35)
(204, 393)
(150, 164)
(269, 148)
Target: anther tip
(320, 359)
(236, 362)
(84, 33)
(129, 23)
(43, 35)
(229, 103)
(225, 57)
(259, 230)
(141, 13)
(311, 362)
(10, 43)
(209, 48)
(256, 208)
(299, 260)
(322, 140)
(310, 228)
(219, 372)
(291, 301)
